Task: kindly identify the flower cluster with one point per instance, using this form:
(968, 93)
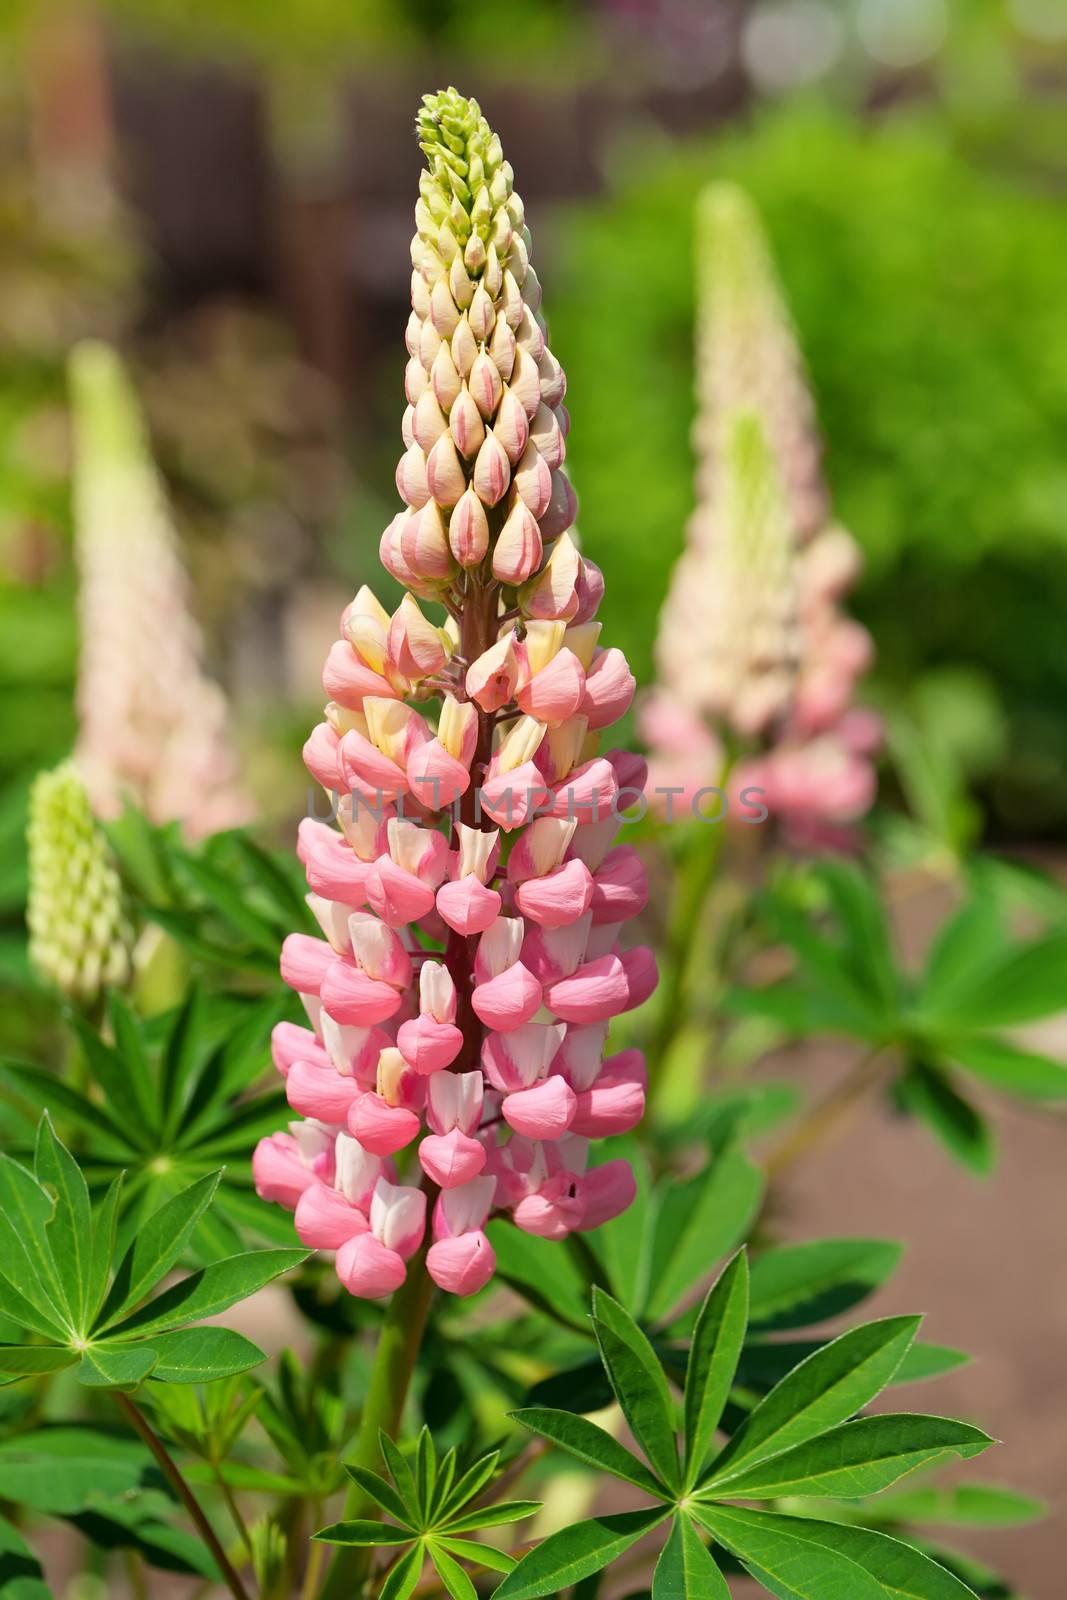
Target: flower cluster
(80, 939)
(152, 727)
(472, 897)
(753, 647)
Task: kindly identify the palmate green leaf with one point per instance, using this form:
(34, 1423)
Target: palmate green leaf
(105, 1220)
(118, 1070)
(577, 1552)
(1005, 1066)
(130, 1047)
(180, 1056)
(472, 1550)
(425, 1472)
(638, 1383)
(967, 943)
(543, 1273)
(227, 898)
(858, 1458)
(31, 1360)
(763, 1364)
(399, 1470)
(781, 1555)
(359, 1531)
(157, 1245)
(495, 1516)
(590, 1444)
(403, 1578)
(1023, 985)
(830, 1386)
(203, 1355)
(698, 1222)
(207, 1292)
(685, 1569)
(860, 912)
(469, 1485)
(965, 1133)
(901, 1571)
(381, 1492)
(713, 1356)
(26, 1267)
(794, 1286)
(115, 1366)
(451, 1574)
(859, 1011)
(21, 1574)
(69, 1231)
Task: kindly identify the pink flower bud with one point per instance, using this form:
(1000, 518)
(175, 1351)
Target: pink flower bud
(348, 680)
(428, 1046)
(397, 896)
(620, 887)
(333, 868)
(608, 1108)
(468, 530)
(552, 382)
(424, 544)
(445, 477)
(492, 677)
(411, 480)
(547, 435)
(588, 793)
(492, 470)
(366, 769)
(322, 757)
(429, 422)
(436, 778)
(533, 481)
(462, 1265)
(502, 348)
(517, 551)
(485, 385)
(445, 379)
(511, 427)
(464, 347)
(525, 383)
(510, 798)
(642, 975)
(465, 425)
(562, 507)
(552, 593)
(452, 1158)
(368, 1269)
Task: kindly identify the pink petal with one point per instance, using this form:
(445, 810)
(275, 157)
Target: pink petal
(620, 887)
(366, 769)
(305, 962)
(346, 678)
(509, 798)
(559, 898)
(507, 1001)
(555, 693)
(588, 793)
(543, 1112)
(606, 1192)
(368, 1269)
(549, 1219)
(451, 1158)
(428, 1045)
(278, 1172)
(607, 1108)
(398, 897)
(437, 778)
(467, 905)
(317, 1091)
(463, 1265)
(380, 1128)
(322, 757)
(597, 991)
(642, 975)
(350, 996)
(609, 689)
(324, 1219)
(288, 1043)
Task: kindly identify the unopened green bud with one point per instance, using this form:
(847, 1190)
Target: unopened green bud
(80, 939)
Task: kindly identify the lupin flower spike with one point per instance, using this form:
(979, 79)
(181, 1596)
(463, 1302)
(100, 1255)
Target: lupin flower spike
(80, 940)
(472, 901)
(152, 728)
(753, 651)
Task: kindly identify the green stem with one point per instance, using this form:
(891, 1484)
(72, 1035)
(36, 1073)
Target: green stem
(394, 1363)
(825, 1117)
(316, 1557)
(172, 1472)
(233, 1508)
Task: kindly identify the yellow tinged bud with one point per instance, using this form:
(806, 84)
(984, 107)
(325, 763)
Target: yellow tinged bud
(466, 425)
(443, 310)
(565, 745)
(460, 283)
(391, 1069)
(343, 721)
(387, 722)
(502, 348)
(444, 474)
(429, 423)
(457, 719)
(581, 639)
(445, 380)
(525, 382)
(544, 640)
(464, 347)
(485, 385)
(429, 343)
(481, 314)
(520, 744)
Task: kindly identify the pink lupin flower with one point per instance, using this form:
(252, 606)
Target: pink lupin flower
(472, 896)
(753, 650)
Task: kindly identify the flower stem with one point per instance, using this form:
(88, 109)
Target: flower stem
(394, 1363)
(825, 1117)
(172, 1472)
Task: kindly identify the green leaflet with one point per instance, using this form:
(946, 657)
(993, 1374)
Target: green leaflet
(714, 1352)
(856, 1459)
(685, 1569)
(830, 1386)
(588, 1443)
(698, 1222)
(781, 1555)
(794, 1286)
(639, 1385)
(576, 1552)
